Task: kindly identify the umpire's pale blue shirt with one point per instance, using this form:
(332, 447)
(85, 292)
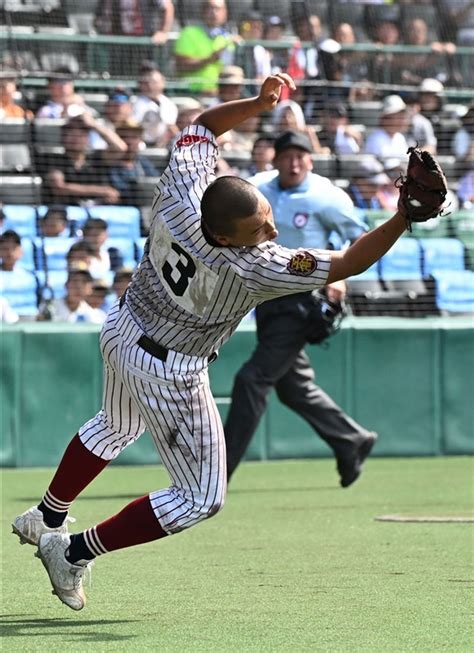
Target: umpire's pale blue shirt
(309, 215)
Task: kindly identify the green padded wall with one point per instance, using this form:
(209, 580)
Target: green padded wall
(410, 380)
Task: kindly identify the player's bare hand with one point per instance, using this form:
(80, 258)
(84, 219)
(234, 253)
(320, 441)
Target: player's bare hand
(336, 291)
(271, 89)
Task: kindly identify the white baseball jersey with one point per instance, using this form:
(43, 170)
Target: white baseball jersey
(188, 296)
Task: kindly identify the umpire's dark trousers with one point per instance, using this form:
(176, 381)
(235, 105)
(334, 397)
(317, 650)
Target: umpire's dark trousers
(279, 361)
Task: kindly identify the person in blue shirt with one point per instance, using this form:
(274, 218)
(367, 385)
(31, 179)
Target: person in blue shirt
(309, 210)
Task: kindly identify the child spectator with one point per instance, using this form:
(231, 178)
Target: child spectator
(11, 251)
(74, 306)
(55, 223)
(263, 153)
(80, 254)
(99, 295)
(95, 232)
(367, 183)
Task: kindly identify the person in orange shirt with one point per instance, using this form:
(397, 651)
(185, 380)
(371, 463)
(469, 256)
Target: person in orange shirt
(8, 107)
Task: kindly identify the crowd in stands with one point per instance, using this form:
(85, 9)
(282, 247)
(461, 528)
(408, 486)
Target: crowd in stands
(109, 154)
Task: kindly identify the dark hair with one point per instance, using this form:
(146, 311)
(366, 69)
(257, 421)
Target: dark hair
(56, 210)
(10, 236)
(80, 246)
(267, 138)
(95, 223)
(82, 274)
(225, 201)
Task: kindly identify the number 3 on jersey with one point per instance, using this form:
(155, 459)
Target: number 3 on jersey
(178, 270)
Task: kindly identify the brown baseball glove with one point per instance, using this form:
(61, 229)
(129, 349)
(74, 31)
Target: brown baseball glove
(423, 190)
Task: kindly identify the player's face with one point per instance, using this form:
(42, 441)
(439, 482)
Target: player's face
(293, 164)
(254, 230)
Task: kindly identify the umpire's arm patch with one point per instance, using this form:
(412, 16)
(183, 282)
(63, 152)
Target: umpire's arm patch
(302, 264)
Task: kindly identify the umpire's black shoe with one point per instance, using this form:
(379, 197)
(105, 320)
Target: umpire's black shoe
(349, 465)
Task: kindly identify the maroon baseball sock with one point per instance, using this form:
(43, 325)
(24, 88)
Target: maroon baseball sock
(135, 524)
(78, 467)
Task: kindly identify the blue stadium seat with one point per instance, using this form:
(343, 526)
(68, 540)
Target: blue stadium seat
(454, 290)
(19, 289)
(56, 282)
(402, 261)
(21, 218)
(442, 254)
(54, 250)
(126, 248)
(27, 261)
(139, 247)
(123, 221)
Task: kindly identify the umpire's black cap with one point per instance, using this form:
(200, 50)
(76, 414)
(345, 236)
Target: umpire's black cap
(293, 139)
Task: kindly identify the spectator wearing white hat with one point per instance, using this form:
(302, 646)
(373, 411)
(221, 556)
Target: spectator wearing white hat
(389, 139)
(420, 132)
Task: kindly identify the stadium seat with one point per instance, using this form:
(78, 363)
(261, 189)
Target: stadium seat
(47, 131)
(375, 14)
(454, 290)
(442, 254)
(76, 216)
(139, 248)
(27, 261)
(122, 221)
(462, 223)
(81, 23)
(435, 228)
(20, 290)
(324, 165)
(14, 130)
(126, 248)
(51, 252)
(365, 112)
(15, 157)
(376, 217)
(349, 12)
(402, 261)
(348, 165)
(52, 285)
(20, 218)
(20, 189)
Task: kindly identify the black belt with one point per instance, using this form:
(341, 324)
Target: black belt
(152, 347)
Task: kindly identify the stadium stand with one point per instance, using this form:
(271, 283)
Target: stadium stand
(20, 218)
(20, 290)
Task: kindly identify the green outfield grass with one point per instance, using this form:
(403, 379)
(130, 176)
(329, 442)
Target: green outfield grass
(293, 563)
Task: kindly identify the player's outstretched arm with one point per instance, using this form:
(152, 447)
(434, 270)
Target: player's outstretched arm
(366, 250)
(223, 117)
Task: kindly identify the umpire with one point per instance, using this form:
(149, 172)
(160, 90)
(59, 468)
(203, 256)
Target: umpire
(308, 211)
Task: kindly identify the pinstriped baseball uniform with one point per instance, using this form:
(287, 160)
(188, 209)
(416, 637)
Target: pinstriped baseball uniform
(188, 296)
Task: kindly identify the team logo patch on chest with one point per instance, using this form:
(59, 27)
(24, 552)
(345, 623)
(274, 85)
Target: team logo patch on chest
(300, 220)
(302, 264)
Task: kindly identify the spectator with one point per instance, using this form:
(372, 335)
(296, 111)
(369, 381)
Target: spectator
(153, 109)
(11, 251)
(117, 109)
(9, 107)
(202, 50)
(74, 306)
(353, 65)
(251, 29)
(122, 278)
(80, 254)
(263, 153)
(389, 194)
(457, 20)
(367, 183)
(336, 134)
(55, 223)
(187, 113)
(63, 101)
(420, 132)
(466, 190)
(231, 87)
(7, 314)
(125, 173)
(385, 33)
(153, 18)
(77, 176)
(413, 68)
(99, 295)
(463, 145)
(389, 139)
(288, 115)
(95, 232)
(274, 59)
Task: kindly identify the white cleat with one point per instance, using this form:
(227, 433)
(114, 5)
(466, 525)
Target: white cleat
(66, 578)
(29, 526)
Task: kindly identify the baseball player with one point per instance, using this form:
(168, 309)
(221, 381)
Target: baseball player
(308, 210)
(208, 260)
